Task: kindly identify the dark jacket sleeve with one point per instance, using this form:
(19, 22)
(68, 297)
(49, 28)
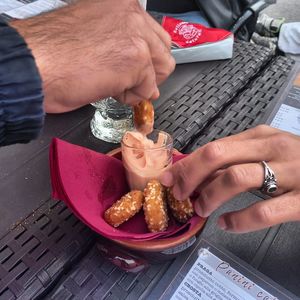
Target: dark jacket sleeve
(21, 95)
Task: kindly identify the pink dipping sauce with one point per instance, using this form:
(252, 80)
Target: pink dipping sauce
(145, 159)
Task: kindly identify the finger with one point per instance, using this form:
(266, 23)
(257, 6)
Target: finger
(263, 214)
(235, 180)
(145, 89)
(159, 30)
(160, 47)
(208, 180)
(259, 131)
(191, 171)
(142, 84)
(163, 61)
(136, 95)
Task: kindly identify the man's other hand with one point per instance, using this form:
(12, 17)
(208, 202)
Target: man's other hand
(98, 48)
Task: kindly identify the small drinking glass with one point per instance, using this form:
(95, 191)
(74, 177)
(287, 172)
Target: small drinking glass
(146, 160)
(111, 120)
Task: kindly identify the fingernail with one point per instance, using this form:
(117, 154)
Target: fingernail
(198, 208)
(203, 196)
(167, 179)
(177, 193)
(202, 212)
(222, 224)
(155, 94)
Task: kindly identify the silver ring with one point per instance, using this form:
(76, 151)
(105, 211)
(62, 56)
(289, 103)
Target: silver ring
(270, 183)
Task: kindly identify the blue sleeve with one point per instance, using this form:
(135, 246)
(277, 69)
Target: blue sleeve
(21, 94)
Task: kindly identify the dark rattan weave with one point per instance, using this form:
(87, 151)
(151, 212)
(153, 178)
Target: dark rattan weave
(38, 250)
(188, 111)
(34, 254)
(249, 107)
(95, 278)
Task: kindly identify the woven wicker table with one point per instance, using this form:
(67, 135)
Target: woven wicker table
(46, 252)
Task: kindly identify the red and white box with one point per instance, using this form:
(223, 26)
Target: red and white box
(195, 42)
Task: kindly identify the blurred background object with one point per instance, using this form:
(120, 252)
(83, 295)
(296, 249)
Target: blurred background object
(283, 12)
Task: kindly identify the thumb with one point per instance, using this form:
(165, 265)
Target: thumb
(180, 176)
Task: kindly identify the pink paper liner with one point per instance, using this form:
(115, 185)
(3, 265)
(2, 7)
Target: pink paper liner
(89, 182)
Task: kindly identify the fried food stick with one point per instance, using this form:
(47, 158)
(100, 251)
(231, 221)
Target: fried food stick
(143, 117)
(182, 211)
(155, 206)
(124, 209)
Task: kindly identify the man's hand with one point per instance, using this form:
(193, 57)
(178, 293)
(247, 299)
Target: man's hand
(98, 48)
(226, 167)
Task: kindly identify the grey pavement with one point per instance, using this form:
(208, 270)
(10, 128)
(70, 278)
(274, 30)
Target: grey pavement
(289, 9)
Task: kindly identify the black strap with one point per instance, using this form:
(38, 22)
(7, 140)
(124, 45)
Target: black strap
(171, 6)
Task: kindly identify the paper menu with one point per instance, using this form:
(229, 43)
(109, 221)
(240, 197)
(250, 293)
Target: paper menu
(211, 272)
(7, 5)
(213, 278)
(286, 113)
(287, 118)
(17, 9)
(296, 82)
(143, 3)
(20, 9)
